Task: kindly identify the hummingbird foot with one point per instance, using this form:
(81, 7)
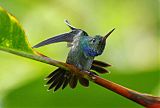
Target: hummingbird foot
(91, 74)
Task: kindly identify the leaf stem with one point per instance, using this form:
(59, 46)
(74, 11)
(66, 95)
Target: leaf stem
(145, 100)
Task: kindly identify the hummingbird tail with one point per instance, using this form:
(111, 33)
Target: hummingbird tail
(60, 78)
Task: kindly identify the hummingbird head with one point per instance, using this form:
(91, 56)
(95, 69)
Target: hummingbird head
(94, 46)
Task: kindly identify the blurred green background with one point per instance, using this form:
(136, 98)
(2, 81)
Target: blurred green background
(132, 50)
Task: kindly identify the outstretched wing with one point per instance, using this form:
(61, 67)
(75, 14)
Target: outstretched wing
(99, 66)
(66, 37)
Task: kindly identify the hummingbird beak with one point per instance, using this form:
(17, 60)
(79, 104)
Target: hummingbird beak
(105, 37)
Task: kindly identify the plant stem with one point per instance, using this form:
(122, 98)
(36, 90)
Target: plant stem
(145, 100)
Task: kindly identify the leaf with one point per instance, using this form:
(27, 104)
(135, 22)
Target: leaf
(12, 36)
(14, 40)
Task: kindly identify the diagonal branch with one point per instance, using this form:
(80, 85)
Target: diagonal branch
(145, 100)
(140, 98)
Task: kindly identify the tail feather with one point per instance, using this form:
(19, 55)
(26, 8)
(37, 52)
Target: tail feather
(60, 83)
(55, 76)
(56, 81)
(73, 81)
(53, 73)
(67, 80)
(84, 81)
(60, 78)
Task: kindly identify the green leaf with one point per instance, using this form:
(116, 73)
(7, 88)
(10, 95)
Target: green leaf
(14, 40)
(12, 36)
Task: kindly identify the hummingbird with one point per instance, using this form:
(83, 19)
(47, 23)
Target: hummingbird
(83, 50)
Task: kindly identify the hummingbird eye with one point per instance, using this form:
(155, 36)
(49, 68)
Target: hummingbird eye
(93, 40)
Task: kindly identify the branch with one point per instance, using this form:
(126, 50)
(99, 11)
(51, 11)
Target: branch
(145, 100)
(142, 99)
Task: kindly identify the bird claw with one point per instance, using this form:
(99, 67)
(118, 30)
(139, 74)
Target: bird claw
(93, 74)
(90, 73)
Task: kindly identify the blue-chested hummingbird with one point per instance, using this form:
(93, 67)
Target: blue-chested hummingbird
(83, 50)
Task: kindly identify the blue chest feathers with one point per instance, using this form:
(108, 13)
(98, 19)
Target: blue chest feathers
(90, 51)
(89, 46)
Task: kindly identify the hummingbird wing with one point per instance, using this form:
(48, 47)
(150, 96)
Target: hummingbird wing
(99, 66)
(100, 63)
(99, 69)
(65, 37)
